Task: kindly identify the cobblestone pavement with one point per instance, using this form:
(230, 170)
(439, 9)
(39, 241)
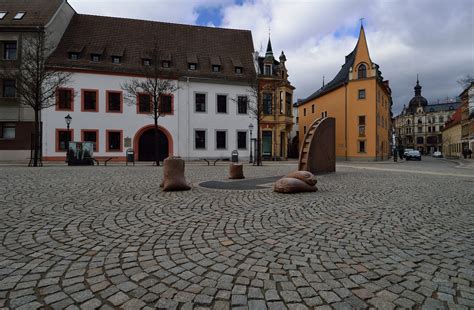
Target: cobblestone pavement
(107, 237)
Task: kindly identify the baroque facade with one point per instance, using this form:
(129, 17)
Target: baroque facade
(360, 100)
(276, 93)
(420, 125)
(20, 22)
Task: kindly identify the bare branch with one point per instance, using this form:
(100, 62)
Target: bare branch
(154, 85)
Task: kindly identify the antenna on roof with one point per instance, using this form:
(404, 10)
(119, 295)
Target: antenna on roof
(323, 80)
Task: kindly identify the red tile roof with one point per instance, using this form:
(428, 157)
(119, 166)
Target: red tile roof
(454, 119)
(89, 34)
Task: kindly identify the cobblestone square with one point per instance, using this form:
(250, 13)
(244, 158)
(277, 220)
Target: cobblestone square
(374, 235)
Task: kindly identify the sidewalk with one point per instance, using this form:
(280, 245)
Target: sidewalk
(462, 163)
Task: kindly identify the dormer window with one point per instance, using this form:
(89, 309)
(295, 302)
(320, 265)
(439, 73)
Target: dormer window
(165, 63)
(19, 15)
(73, 56)
(3, 14)
(215, 63)
(192, 61)
(95, 57)
(116, 59)
(146, 62)
(238, 70)
(267, 69)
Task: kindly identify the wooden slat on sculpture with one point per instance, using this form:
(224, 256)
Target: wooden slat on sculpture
(318, 151)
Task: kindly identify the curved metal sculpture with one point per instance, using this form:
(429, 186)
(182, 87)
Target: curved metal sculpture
(318, 149)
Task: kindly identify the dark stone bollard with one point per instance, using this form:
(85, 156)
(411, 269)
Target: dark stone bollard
(236, 171)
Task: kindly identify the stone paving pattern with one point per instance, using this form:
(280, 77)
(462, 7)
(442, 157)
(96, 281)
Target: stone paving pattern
(108, 237)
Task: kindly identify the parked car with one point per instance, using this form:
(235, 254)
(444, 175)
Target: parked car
(413, 155)
(405, 152)
(437, 154)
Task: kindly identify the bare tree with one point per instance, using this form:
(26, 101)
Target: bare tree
(465, 81)
(35, 82)
(155, 86)
(255, 110)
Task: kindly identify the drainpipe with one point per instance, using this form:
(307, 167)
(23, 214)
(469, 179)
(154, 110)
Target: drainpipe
(345, 119)
(189, 116)
(176, 99)
(377, 125)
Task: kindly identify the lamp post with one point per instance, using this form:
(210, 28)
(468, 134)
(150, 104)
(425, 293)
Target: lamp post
(68, 119)
(251, 155)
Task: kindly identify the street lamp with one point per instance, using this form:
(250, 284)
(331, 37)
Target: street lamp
(68, 119)
(251, 155)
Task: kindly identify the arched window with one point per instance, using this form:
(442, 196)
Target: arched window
(362, 72)
(420, 121)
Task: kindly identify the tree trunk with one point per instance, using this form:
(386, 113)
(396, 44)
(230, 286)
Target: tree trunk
(157, 150)
(36, 139)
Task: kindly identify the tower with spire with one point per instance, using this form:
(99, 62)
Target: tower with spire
(418, 101)
(276, 100)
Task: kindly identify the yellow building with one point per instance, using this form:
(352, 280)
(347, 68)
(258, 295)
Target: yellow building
(361, 101)
(276, 95)
(452, 136)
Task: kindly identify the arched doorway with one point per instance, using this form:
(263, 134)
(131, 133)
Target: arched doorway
(144, 144)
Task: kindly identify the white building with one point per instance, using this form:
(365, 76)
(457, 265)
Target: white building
(207, 117)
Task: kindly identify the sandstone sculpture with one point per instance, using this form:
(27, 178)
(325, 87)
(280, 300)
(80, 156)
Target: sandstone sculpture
(236, 171)
(173, 175)
(318, 149)
(296, 182)
(304, 176)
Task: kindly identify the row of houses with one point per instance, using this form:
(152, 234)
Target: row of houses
(458, 132)
(214, 73)
(445, 126)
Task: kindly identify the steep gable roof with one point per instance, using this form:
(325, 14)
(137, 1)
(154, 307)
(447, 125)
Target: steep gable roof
(359, 54)
(175, 42)
(37, 12)
(340, 79)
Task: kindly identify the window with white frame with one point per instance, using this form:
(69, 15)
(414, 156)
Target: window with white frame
(200, 139)
(9, 50)
(221, 139)
(242, 102)
(221, 103)
(7, 131)
(200, 103)
(242, 140)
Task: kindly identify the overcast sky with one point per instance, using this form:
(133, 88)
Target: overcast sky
(432, 38)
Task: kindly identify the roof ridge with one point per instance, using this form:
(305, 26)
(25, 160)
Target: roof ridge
(160, 22)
